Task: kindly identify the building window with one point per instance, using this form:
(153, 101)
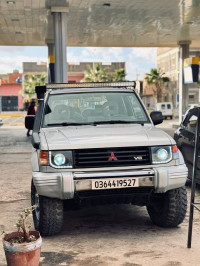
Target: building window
(191, 98)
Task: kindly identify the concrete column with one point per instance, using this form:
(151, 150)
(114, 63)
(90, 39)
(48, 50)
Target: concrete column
(51, 61)
(183, 88)
(60, 40)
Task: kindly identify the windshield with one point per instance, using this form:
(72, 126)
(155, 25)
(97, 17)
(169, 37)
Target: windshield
(93, 108)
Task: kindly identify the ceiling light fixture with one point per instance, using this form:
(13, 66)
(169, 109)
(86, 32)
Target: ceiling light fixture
(106, 4)
(10, 2)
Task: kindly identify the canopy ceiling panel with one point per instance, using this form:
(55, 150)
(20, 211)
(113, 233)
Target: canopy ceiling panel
(127, 23)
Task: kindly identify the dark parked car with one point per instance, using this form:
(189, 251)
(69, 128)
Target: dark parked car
(185, 138)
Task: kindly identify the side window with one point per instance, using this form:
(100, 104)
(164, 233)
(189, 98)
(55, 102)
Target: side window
(162, 106)
(168, 106)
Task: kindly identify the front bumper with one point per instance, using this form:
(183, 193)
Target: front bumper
(63, 185)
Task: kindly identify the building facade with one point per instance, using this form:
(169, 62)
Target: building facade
(168, 60)
(11, 98)
(10, 91)
(147, 95)
(76, 71)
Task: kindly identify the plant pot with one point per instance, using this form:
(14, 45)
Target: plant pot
(22, 254)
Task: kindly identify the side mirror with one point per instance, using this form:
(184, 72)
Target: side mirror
(29, 121)
(156, 117)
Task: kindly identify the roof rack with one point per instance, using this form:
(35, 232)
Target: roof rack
(91, 85)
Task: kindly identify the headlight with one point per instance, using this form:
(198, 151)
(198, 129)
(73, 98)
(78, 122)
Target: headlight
(60, 159)
(161, 154)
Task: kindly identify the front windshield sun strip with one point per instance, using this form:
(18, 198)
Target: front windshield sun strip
(91, 85)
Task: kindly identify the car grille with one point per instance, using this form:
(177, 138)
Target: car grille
(111, 157)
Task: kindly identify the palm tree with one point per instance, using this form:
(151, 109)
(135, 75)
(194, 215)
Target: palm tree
(157, 78)
(96, 74)
(29, 84)
(99, 74)
(119, 75)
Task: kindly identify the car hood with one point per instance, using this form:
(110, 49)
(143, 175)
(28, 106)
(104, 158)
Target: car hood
(87, 136)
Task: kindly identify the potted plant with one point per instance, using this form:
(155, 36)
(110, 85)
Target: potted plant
(22, 248)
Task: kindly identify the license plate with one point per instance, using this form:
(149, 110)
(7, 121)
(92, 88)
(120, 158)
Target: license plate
(115, 183)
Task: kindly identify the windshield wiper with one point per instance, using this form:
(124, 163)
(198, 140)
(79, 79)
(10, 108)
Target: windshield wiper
(95, 123)
(67, 124)
(117, 122)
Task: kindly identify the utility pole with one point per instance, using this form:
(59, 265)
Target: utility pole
(137, 82)
(137, 74)
(93, 51)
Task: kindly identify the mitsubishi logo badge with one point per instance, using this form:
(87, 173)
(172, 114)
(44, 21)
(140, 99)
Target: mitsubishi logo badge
(112, 157)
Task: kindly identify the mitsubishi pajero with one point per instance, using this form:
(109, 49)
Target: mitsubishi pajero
(96, 143)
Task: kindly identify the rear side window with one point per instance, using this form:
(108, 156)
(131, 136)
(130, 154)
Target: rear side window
(168, 106)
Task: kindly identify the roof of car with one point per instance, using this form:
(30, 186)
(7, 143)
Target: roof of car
(79, 90)
(58, 88)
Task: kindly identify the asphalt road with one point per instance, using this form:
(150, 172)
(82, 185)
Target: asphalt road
(96, 236)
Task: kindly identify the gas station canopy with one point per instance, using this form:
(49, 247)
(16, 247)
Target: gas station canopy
(114, 23)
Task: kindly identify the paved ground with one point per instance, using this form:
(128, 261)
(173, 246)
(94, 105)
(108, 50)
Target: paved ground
(101, 236)
(13, 118)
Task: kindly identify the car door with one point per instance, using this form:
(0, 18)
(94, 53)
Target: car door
(186, 140)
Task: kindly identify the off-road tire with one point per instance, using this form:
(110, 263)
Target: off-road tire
(48, 216)
(168, 209)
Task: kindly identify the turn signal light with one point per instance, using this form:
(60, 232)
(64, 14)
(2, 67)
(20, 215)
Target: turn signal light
(174, 149)
(44, 155)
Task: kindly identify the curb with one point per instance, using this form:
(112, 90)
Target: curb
(13, 124)
(7, 115)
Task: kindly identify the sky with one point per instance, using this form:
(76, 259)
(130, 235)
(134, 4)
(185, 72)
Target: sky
(138, 60)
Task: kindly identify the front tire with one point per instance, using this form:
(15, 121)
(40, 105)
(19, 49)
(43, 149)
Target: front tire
(48, 215)
(168, 209)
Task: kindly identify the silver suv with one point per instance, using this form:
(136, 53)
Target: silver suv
(96, 143)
